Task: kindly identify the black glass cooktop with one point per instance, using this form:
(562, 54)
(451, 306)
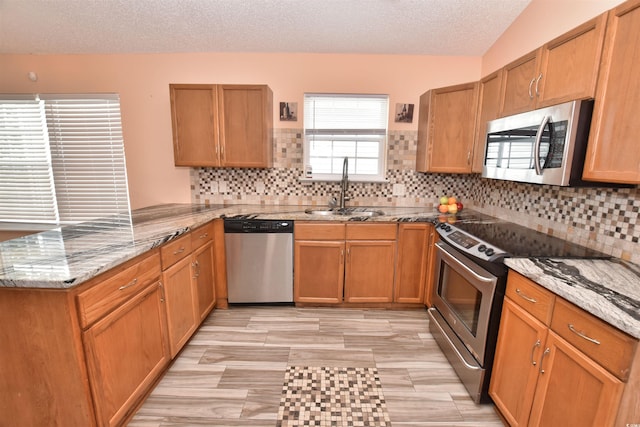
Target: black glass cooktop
(520, 241)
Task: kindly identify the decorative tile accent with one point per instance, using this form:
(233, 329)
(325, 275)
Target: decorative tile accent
(605, 219)
(332, 397)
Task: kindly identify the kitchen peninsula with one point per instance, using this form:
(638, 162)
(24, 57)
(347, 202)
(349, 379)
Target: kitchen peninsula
(68, 294)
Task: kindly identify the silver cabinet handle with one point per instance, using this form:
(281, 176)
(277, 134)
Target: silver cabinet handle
(523, 295)
(204, 236)
(537, 83)
(196, 267)
(469, 157)
(530, 86)
(179, 251)
(128, 285)
(533, 349)
(582, 335)
(547, 351)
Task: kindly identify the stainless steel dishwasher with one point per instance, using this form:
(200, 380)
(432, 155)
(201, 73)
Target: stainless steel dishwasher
(259, 260)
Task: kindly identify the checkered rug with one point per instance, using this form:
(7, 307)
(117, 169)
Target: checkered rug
(328, 397)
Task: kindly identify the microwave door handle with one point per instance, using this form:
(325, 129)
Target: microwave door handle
(536, 145)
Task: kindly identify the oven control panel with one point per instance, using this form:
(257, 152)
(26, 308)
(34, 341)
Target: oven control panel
(469, 244)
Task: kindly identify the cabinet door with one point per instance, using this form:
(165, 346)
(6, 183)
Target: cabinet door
(412, 261)
(519, 85)
(204, 274)
(195, 128)
(318, 271)
(182, 303)
(126, 351)
(612, 153)
(515, 367)
(573, 390)
(369, 271)
(488, 109)
(246, 121)
(448, 129)
(431, 266)
(569, 64)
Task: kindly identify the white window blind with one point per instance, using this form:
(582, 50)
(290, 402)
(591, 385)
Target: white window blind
(26, 180)
(339, 126)
(82, 135)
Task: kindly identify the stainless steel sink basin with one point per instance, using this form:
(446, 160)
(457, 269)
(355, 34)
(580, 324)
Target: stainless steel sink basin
(344, 212)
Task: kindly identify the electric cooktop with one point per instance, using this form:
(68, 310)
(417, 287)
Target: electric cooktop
(492, 239)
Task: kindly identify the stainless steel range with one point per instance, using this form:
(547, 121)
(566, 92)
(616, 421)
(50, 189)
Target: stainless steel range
(470, 280)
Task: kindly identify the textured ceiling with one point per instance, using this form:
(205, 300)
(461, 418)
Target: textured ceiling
(422, 27)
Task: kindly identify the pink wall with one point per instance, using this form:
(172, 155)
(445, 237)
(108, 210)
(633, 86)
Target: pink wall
(143, 84)
(540, 22)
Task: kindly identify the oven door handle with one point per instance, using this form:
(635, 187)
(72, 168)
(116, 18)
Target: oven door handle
(452, 258)
(538, 142)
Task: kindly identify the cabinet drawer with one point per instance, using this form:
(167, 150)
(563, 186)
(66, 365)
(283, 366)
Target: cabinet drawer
(372, 231)
(175, 250)
(530, 296)
(201, 235)
(602, 342)
(318, 231)
(115, 290)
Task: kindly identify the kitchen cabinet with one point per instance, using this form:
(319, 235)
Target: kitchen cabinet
(612, 152)
(555, 364)
(370, 263)
(319, 251)
(446, 129)
(126, 351)
(431, 267)
(488, 109)
(202, 262)
(562, 70)
(188, 275)
(337, 262)
(414, 246)
(222, 125)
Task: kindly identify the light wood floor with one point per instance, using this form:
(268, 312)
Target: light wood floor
(232, 371)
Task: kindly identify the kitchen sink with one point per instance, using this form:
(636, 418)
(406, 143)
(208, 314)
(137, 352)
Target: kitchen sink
(344, 212)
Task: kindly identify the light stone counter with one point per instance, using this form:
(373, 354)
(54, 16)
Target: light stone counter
(608, 289)
(65, 257)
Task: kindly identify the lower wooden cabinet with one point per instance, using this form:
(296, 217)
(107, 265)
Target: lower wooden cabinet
(126, 351)
(204, 273)
(338, 263)
(182, 303)
(414, 243)
(541, 379)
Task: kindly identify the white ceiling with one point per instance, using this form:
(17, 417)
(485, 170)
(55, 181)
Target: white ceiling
(421, 27)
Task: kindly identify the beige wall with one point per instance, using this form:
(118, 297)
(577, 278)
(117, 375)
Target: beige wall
(143, 84)
(540, 22)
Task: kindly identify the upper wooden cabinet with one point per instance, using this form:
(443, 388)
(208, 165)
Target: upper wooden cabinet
(488, 109)
(613, 152)
(446, 129)
(562, 70)
(222, 125)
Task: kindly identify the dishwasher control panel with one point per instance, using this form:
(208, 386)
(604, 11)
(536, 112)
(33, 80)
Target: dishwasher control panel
(257, 226)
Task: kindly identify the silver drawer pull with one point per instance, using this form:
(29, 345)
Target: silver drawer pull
(582, 335)
(128, 285)
(204, 236)
(179, 251)
(523, 295)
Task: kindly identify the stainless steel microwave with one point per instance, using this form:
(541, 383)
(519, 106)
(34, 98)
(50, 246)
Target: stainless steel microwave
(544, 146)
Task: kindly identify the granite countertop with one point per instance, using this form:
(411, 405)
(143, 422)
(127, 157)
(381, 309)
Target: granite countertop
(64, 257)
(608, 289)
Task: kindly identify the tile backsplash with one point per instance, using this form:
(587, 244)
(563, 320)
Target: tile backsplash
(604, 219)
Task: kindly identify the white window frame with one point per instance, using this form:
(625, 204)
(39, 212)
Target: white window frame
(352, 131)
(82, 136)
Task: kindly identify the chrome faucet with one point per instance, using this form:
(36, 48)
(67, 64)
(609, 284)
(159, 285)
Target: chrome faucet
(344, 184)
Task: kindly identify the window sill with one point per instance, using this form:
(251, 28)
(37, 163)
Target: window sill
(351, 179)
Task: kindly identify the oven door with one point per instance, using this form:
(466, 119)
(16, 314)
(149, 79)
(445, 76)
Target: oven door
(463, 295)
